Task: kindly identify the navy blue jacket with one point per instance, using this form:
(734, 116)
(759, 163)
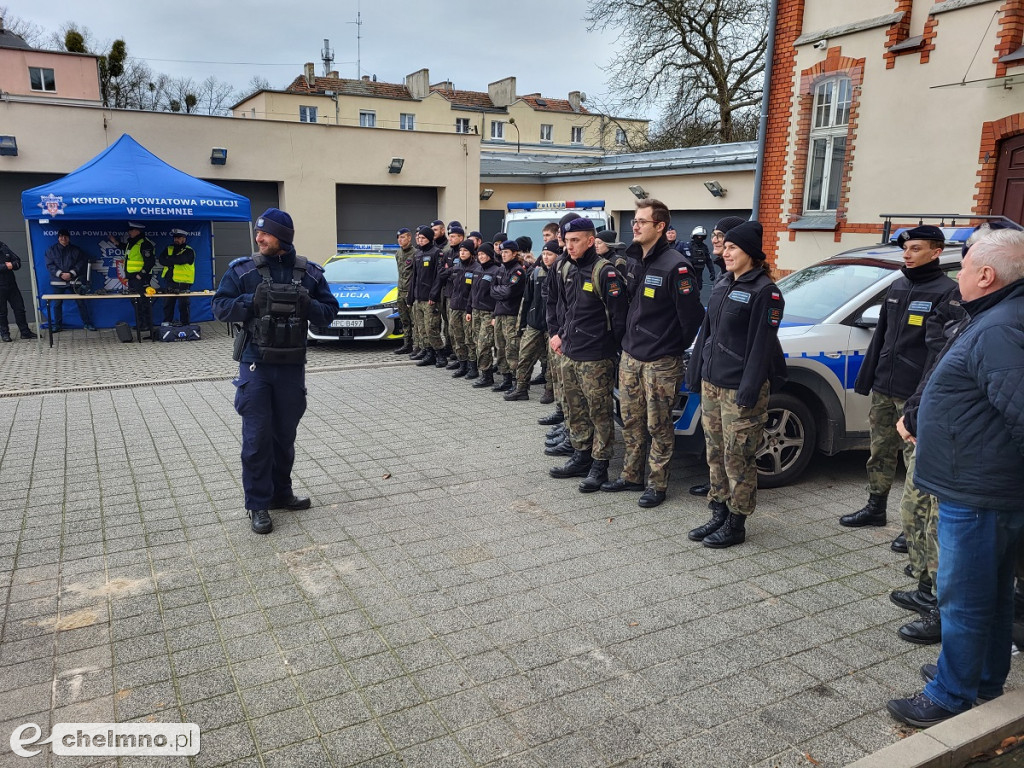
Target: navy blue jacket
(71, 259)
(459, 276)
(970, 427)
(7, 278)
(426, 275)
(234, 298)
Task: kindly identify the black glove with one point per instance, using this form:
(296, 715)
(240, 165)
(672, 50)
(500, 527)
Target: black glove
(409, 300)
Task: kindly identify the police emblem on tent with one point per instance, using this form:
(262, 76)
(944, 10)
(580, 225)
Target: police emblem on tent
(54, 205)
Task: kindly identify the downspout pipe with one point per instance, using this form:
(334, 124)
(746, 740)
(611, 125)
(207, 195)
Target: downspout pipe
(762, 125)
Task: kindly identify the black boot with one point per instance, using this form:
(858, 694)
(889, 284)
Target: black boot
(461, 370)
(563, 448)
(405, 349)
(547, 397)
(486, 379)
(556, 417)
(556, 438)
(417, 354)
(558, 429)
(441, 360)
(926, 630)
(519, 392)
(899, 544)
(540, 378)
(733, 531)
(577, 466)
(27, 333)
(428, 359)
(471, 370)
(719, 514)
(455, 364)
(872, 513)
(921, 599)
(598, 474)
(506, 383)
(703, 489)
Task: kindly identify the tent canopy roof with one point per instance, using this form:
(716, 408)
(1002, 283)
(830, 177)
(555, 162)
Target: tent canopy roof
(127, 181)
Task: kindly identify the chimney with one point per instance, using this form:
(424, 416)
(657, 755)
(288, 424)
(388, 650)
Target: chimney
(366, 78)
(418, 84)
(333, 73)
(575, 101)
(444, 85)
(310, 73)
(502, 92)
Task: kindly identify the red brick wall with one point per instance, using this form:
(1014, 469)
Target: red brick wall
(898, 32)
(1011, 33)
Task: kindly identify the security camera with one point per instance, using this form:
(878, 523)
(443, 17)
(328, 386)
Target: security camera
(821, 45)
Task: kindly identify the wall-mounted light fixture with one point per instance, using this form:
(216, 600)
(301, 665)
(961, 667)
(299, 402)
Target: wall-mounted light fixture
(716, 189)
(485, 194)
(639, 192)
(8, 146)
(396, 165)
(218, 156)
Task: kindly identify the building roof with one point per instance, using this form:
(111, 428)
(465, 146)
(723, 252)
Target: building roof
(544, 104)
(346, 87)
(545, 169)
(466, 99)
(9, 39)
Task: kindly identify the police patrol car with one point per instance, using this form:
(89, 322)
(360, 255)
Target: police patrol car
(529, 217)
(832, 308)
(364, 280)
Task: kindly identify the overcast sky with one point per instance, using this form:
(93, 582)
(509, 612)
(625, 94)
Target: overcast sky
(469, 42)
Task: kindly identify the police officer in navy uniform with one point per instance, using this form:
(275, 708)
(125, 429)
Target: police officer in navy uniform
(274, 294)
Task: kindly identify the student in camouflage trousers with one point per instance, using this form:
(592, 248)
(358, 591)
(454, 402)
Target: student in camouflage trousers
(507, 292)
(404, 256)
(533, 322)
(736, 357)
(482, 313)
(460, 277)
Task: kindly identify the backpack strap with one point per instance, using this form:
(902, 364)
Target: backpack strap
(299, 269)
(595, 277)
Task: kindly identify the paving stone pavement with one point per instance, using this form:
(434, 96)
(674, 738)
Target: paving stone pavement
(444, 602)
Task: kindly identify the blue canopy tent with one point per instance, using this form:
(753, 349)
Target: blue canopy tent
(95, 202)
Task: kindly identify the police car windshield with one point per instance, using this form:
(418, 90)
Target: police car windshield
(814, 293)
(534, 229)
(361, 269)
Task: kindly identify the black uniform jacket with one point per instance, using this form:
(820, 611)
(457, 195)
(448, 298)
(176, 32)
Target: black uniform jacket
(665, 312)
(426, 272)
(555, 306)
(738, 343)
(483, 278)
(585, 333)
(535, 299)
(909, 332)
(7, 277)
(460, 278)
(507, 289)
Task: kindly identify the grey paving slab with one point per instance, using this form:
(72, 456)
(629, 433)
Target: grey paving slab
(444, 602)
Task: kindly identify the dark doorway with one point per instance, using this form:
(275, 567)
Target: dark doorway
(372, 214)
(1008, 192)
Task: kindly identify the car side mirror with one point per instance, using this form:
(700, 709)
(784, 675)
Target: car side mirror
(869, 317)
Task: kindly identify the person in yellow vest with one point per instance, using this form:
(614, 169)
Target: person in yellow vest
(139, 260)
(179, 273)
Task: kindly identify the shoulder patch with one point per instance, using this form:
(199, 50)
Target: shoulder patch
(776, 295)
(774, 316)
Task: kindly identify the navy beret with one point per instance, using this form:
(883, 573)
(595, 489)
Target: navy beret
(437, 223)
(510, 245)
(580, 225)
(454, 225)
(456, 230)
(476, 234)
(402, 231)
(924, 232)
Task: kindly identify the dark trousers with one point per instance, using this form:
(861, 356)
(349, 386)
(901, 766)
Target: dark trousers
(183, 308)
(58, 311)
(143, 305)
(271, 400)
(9, 294)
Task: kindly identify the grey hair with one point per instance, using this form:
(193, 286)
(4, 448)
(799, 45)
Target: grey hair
(979, 233)
(1003, 251)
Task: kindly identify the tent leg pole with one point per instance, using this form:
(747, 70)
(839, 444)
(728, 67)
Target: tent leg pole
(35, 288)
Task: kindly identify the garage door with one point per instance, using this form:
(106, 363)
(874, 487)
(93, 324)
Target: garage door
(232, 238)
(369, 214)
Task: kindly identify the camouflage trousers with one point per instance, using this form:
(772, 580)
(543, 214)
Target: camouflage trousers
(732, 434)
(886, 443)
(587, 389)
(483, 332)
(647, 392)
(428, 318)
(506, 343)
(531, 349)
(405, 318)
(555, 374)
(920, 513)
(443, 328)
(461, 335)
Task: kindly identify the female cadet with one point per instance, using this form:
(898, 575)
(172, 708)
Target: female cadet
(507, 292)
(736, 356)
(460, 278)
(480, 314)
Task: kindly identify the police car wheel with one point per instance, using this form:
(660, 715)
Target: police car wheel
(789, 441)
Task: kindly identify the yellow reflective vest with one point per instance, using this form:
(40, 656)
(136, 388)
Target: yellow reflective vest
(181, 273)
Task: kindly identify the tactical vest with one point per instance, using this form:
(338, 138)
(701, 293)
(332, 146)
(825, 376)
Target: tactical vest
(133, 261)
(180, 273)
(279, 328)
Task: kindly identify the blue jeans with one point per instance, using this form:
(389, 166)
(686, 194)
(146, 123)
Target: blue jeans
(977, 555)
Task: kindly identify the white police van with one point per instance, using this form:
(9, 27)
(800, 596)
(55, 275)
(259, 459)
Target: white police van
(832, 308)
(529, 217)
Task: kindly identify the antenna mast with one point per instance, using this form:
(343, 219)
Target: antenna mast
(359, 36)
(328, 57)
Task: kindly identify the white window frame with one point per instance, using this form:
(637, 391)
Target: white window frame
(497, 130)
(827, 143)
(306, 114)
(576, 132)
(407, 121)
(462, 123)
(42, 79)
(367, 118)
(546, 131)
(620, 137)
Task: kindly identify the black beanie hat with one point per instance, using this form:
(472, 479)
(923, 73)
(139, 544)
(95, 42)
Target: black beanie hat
(276, 222)
(749, 236)
(525, 243)
(486, 248)
(63, 233)
(727, 223)
(468, 245)
(499, 237)
(553, 246)
(426, 231)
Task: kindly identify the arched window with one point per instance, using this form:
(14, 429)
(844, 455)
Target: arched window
(830, 119)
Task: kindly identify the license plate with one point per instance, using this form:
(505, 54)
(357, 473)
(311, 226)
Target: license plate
(347, 323)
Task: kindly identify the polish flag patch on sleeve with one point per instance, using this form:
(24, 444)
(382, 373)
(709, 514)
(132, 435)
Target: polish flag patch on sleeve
(776, 295)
